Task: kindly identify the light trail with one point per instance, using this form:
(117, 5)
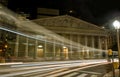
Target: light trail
(13, 63)
(60, 62)
(49, 68)
(28, 25)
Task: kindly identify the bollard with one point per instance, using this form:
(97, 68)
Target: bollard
(116, 65)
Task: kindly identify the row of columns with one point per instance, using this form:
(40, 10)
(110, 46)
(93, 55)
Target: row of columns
(36, 47)
(54, 45)
(100, 41)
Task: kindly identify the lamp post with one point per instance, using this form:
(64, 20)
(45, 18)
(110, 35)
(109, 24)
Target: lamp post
(116, 24)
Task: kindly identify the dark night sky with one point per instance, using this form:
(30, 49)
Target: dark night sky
(94, 11)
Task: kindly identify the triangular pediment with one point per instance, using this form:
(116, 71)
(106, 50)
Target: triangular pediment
(69, 24)
(67, 21)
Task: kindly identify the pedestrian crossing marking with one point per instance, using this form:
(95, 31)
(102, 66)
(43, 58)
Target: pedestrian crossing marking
(71, 74)
(90, 72)
(94, 76)
(29, 74)
(50, 73)
(82, 75)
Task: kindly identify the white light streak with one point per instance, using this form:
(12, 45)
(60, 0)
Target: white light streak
(27, 25)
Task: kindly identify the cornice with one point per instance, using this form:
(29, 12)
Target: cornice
(70, 24)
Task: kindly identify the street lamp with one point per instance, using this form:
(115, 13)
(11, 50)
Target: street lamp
(116, 24)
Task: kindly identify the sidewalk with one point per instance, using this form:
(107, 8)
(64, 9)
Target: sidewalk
(110, 74)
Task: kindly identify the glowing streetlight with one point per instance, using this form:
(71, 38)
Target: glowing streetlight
(116, 24)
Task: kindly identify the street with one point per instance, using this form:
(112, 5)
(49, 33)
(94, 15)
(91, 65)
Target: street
(80, 68)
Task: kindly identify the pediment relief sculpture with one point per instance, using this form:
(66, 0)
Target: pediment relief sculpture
(66, 21)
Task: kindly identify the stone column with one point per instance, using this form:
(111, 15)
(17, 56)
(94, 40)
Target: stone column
(78, 41)
(36, 47)
(93, 46)
(93, 42)
(106, 47)
(70, 46)
(26, 48)
(86, 44)
(100, 47)
(99, 42)
(54, 49)
(45, 48)
(86, 40)
(106, 44)
(16, 46)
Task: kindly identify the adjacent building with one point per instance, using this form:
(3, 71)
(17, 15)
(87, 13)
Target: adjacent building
(46, 12)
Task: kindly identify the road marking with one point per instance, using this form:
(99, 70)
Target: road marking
(19, 71)
(31, 74)
(91, 72)
(71, 74)
(50, 73)
(82, 75)
(62, 73)
(94, 76)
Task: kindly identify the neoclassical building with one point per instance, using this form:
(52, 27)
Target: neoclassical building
(78, 31)
(55, 38)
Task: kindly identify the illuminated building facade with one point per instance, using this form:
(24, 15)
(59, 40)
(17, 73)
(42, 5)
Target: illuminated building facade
(54, 38)
(78, 31)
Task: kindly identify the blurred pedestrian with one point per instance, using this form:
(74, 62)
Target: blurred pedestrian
(110, 54)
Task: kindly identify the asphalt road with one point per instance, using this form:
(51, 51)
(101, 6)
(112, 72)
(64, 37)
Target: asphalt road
(96, 70)
(87, 68)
